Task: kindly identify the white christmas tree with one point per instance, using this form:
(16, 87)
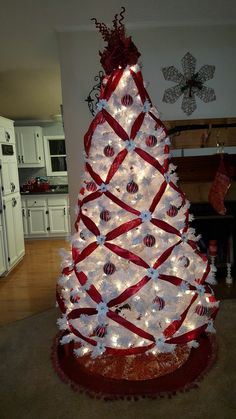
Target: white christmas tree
(134, 281)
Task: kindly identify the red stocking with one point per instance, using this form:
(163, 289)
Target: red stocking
(220, 186)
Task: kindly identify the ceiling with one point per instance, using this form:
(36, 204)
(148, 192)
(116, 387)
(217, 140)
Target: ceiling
(29, 65)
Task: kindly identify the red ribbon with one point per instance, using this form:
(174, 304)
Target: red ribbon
(117, 128)
(87, 251)
(129, 292)
(130, 351)
(92, 291)
(112, 83)
(116, 164)
(126, 254)
(149, 159)
(176, 324)
(130, 326)
(158, 122)
(89, 134)
(124, 228)
(138, 79)
(75, 314)
(93, 174)
(91, 197)
(165, 255)
(91, 226)
(175, 280)
(121, 203)
(158, 196)
(165, 226)
(187, 337)
(137, 125)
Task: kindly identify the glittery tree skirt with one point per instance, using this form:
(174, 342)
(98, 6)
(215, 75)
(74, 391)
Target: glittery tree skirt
(133, 376)
(135, 367)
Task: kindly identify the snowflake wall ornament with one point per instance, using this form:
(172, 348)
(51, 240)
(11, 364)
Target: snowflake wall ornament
(189, 84)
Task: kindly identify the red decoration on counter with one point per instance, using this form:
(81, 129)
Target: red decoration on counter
(212, 249)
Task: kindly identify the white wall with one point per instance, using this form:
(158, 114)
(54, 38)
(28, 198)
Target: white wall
(159, 47)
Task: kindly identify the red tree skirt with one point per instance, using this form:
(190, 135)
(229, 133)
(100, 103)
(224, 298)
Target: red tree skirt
(182, 379)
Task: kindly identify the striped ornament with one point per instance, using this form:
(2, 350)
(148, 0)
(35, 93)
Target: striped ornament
(100, 331)
(82, 235)
(109, 268)
(184, 261)
(74, 298)
(108, 151)
(132, 187)
(172, 211)
(91, 186)
(127, 100)
(149, 240)
(201, 310)
(159, 303)
(151, 141)
(105, 215)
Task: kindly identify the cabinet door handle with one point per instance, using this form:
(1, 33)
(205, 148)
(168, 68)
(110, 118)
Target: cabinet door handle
(23, 212)
(13, 187)
(14, 202)
(22, 159)
(64, 211)
(19, 159)
(7, 136)
(28, 213)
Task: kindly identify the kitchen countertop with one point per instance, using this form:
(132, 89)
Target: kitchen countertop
(50, 192)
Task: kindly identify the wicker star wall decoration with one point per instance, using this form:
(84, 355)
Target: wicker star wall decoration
(189, 84)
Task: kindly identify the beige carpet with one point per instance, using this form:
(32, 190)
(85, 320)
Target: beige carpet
(29, 388)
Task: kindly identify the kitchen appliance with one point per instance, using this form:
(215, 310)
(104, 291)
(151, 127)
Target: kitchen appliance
(12, 246)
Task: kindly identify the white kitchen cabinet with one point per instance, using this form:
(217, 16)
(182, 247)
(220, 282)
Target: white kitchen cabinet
(37, 221)
(24, 217)
(58, 220)
(36, 213)
(3, 266)
(7, 134)
(45, 216)
(29, 146)
(15, 248)
(10, 178)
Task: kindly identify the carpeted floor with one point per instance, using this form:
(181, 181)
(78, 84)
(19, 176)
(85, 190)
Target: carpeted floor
(30, 389)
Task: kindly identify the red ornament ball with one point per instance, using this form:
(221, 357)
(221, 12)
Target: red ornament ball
(184, 261)
(159, 303)
(149, 240)
(109, 151)
(172, 211)
(109, 268)
(91, 186)
(105, 215)
(151, 141)
(100, 118)
(132, 187)
(127, 100)
(100, 331)
(201, 310)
